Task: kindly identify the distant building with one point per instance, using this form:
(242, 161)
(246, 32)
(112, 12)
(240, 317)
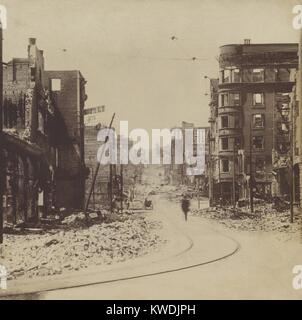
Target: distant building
(177, 174)
(250, 120)
(94, 116)
(111, 179)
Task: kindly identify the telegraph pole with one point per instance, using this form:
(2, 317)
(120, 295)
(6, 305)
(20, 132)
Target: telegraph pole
(234, 176)
(291, 166)
(210, 172)
(97, 169)
(251, 170)
(122, 188)
(299, 91)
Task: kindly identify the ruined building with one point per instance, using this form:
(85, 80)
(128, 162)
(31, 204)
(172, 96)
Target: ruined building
(112, 179)
(251, 123)
(43, 138)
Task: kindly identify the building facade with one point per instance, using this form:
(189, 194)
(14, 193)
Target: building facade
(251, 121)
(68, 95)
(36, 136)
(184, 174)
(111, 179)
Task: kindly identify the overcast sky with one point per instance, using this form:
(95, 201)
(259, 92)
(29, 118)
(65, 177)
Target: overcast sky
(125, 51)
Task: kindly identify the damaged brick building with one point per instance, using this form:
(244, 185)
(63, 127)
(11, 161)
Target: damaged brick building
(43, 138)
(251, 122)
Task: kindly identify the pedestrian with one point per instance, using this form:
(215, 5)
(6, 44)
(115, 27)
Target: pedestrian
(185, 206)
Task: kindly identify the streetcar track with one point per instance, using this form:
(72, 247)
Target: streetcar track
(150, 274)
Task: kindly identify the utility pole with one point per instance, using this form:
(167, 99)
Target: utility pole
(299, 91)
(234, 175)
(291, 166)
(251, 169)
(122, 188)
(210, 172)
(97, 170)
(111, 187)
(1, 132)
(219, 175)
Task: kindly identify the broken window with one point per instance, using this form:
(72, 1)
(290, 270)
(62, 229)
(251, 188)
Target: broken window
(56, 84)
(258, 75)
(234, 99)
(236, 75)
(258, 120)
(231, 75)
(225, 165)
(224, 143)
(270, 75)
(224, 122)
(259, 164)
(226, 76)
(224, 99)
(258, 99)
(258, 143)
(283, 74)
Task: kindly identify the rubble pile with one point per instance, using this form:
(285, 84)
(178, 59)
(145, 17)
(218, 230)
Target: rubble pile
(264, 218)
(59, 251)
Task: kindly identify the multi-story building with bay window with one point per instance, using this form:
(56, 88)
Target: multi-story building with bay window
(251, 120)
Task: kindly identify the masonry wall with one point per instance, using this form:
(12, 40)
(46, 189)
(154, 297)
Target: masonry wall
(69, 100)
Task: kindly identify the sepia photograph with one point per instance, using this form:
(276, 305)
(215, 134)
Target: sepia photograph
(150, 150)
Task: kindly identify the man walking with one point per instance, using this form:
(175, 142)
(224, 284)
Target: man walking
(185, 206)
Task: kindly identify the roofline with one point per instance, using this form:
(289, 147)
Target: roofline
(76, 71)
(260, 44)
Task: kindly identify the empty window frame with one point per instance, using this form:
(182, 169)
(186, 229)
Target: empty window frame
(258, 99)
(56, 84)
(226, 76)
(236, 76)
(224, 122)
(224, 99)
(258, 142)
(231, 75)
(225, 165)
(283, 75)
(258, 75)
(259, 165)
(258, 120)
(234, 99)
(224, 143)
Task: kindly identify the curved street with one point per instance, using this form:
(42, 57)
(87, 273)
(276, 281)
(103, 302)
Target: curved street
(200, 261)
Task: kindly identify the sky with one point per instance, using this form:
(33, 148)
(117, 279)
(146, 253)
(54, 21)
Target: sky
(124, 48)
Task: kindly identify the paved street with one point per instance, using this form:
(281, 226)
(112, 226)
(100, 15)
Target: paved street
(247, 265)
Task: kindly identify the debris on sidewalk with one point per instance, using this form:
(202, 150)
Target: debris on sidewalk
(77, 246)
(265, 218)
